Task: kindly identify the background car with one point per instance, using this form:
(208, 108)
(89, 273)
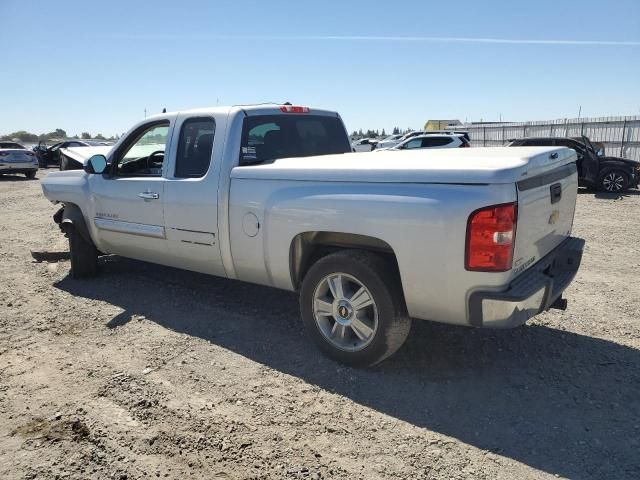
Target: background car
(595, 169)
(431, 141)
(51, 155)
(14, 158)
(364, 145)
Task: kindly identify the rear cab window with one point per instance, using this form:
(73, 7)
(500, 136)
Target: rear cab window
(268, 137)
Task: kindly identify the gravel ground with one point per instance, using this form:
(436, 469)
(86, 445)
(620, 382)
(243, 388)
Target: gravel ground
(147, 371)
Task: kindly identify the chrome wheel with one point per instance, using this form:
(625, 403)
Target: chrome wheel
(613, 182)
(345, 312)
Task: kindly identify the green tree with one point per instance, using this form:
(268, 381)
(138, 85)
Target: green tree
(396, 131)
(100, 137)
(22, 136)
(384, 134)
(85, 135)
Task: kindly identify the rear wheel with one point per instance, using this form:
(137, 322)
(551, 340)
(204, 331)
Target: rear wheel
(30, 174)
(614, 181)
(352, 307)
(84, 256)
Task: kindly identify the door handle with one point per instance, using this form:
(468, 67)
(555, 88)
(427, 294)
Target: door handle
(149, 195)
(556, 192)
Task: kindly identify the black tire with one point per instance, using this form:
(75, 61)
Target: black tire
(30, 175)
(84, 256)
(382, 280)
(613, 181)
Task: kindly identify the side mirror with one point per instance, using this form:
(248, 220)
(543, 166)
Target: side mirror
(96, 164)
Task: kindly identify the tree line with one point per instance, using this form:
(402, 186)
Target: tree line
(57, 134)
(357, 134)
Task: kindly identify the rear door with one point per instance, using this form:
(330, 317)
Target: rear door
(546, 205)
(191, 194)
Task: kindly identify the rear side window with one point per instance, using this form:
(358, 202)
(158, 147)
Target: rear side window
(269, 137)
(195, 147)
(435, 142)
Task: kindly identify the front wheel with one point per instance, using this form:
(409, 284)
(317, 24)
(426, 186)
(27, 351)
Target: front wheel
(30, 174)
(353, 309)
(614, 181)
(84, 256)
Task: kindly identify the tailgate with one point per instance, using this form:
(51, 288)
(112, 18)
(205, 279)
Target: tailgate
(546, 204)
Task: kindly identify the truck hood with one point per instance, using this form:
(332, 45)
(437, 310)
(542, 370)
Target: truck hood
(82, 154)
(459, 165)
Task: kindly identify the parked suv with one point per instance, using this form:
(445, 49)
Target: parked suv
(595, 170)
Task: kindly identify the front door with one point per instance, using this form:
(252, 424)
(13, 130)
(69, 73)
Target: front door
(128, 201)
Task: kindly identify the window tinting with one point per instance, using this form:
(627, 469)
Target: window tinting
(195, 147)
(268, 137)
(435, 142)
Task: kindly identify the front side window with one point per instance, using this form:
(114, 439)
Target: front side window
(143, 154)
(413, 144)
(269, 137)
(195, 147)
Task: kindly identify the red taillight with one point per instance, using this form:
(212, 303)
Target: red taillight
(491, 233)
(293, 109)
(464, 145)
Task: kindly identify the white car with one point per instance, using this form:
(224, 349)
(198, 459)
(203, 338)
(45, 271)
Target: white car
(388, 143)
(432, 141)
(14, 158)
(364, 145)
(273, 195)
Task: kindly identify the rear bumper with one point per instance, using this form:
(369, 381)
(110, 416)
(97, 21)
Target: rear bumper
(531, 293)
(21, 168)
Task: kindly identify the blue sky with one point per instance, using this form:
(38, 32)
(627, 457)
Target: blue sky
(95, 66)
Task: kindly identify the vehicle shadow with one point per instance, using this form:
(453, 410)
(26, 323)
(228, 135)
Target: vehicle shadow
(9, 177)
(617, 196)
(560, 402)
(610, 196)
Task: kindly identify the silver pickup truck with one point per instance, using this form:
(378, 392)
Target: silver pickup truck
(273, 195)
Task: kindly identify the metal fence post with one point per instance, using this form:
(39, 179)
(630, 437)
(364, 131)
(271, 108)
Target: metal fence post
(484, 136)
(624, 128)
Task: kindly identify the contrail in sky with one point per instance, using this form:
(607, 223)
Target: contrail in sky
(375, 38)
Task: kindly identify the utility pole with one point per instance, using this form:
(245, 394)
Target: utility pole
(579, 112)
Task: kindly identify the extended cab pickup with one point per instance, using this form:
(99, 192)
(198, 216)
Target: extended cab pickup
(272, 195)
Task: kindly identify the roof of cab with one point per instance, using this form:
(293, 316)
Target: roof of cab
(249, 109)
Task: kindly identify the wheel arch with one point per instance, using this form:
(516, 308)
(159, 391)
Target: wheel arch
(72, 217)
(308, 247)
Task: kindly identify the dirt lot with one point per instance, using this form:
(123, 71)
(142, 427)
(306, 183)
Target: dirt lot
(147, 371)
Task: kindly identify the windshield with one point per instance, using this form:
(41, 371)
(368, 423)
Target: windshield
(268, 137)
